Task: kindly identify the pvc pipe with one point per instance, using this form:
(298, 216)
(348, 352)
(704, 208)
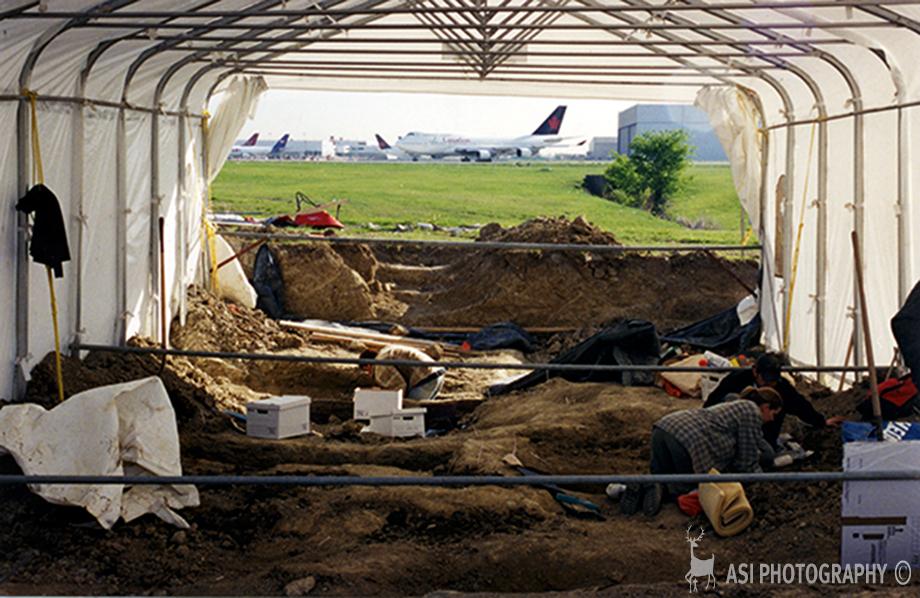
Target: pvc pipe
(556, 367)
(493, 480)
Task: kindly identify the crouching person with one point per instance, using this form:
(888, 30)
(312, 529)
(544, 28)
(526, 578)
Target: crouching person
(727, 437)
(419, 382)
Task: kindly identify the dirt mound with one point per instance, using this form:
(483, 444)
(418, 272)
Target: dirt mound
(412, 540)
(391, 540)
(464, 285)
(549, 230)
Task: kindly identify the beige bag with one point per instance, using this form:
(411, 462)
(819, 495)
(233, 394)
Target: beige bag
(726, 506)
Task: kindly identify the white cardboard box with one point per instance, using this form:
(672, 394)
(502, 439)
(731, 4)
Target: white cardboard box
(881, 518)
(278, 417)
(400, 422)
(376, 401)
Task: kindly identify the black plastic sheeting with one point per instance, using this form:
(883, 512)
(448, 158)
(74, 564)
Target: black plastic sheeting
(504, 335)
(905, 325)
(266, 280)
(722, 333)
(631, 342)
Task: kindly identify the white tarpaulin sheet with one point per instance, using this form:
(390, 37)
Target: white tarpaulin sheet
(232, 280)
(119, 430)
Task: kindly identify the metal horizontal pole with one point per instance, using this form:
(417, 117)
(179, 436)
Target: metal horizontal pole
(474, 245)
(529, 53)
(465, 78)
(429, 67)
(493, 27)
(530, 43)
(850, 114)
(507, 69)
(548, 367)
(530, 480)
(585, 66)
(475, 11)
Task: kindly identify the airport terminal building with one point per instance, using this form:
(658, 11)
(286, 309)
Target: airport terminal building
(658, 117)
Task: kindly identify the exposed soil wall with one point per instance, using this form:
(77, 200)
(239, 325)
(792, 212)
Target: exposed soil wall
(416, 540)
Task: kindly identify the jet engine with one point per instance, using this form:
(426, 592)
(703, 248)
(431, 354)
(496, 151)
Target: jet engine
(523, 152)
(483, 156)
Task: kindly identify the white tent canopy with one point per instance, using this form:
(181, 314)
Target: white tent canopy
(815, 101)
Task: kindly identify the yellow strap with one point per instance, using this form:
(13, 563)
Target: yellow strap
(39, 177)
(798, 238)
(748, 235)
(208, 240)
(57, 338)
(37, 173)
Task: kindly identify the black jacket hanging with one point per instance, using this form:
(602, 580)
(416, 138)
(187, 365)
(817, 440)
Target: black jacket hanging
(49, 235)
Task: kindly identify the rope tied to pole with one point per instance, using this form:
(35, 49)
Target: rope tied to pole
(47, 222)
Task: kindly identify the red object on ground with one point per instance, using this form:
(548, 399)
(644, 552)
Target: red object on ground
(320, 219)
(690, 504)
(672, 390)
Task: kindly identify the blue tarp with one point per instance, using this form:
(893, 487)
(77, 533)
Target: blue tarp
(891, 431)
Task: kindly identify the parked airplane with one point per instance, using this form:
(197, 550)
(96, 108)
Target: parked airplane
(249, 142)
(259, 150)
(440, 145)
(388, 149)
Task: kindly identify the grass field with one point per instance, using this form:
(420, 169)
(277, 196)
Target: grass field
(465, 194)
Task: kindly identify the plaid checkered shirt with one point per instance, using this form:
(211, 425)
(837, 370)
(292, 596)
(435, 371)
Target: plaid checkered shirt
(724, 437)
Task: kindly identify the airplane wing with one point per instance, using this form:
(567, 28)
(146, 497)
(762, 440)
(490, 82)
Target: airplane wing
(525, 147)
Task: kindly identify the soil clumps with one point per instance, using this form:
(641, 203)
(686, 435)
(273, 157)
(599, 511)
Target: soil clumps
(389, 540)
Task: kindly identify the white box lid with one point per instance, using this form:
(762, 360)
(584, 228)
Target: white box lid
(411, 411)
(280, 403)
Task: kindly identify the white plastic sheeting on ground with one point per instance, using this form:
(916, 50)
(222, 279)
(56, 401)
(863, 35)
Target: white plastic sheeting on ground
(119, 430)
(230, 277)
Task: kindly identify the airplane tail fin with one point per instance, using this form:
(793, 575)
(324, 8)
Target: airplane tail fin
(251, 141)
(552, 123)
(279, 145)
(383, 145)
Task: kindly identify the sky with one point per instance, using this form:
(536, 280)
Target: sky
(314, 115)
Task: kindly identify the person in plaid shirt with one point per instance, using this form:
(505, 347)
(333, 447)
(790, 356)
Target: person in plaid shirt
(727, 437)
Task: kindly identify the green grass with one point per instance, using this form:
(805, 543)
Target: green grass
(465, 194)
(710, 196)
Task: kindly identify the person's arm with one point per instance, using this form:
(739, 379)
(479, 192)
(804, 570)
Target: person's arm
(734, 382)
(796, 404)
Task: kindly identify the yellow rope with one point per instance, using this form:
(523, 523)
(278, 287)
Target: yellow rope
(37, 173)
(798, 238)
(39, 177)
(748, 235)
(209, 230)
(57, 338)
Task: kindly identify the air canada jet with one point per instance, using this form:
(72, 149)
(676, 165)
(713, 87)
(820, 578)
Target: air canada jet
(388, 149)
(259, 150)
(441, 145)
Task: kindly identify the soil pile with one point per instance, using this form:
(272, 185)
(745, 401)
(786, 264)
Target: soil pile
(414, 540)
(466, 286)
(549, 230)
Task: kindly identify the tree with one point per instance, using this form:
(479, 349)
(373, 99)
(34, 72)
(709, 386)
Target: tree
(655, 168)
(623, 183)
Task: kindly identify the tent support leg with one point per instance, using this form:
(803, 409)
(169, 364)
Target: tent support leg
(22, 255)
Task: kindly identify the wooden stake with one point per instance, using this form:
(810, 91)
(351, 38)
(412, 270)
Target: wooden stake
(870, 358)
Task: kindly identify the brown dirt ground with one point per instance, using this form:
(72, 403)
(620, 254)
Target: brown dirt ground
(438, 541)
